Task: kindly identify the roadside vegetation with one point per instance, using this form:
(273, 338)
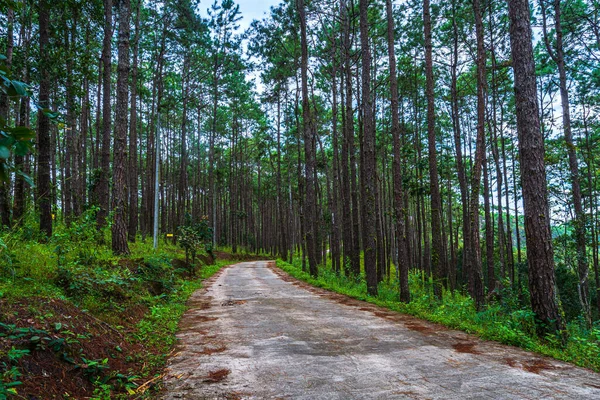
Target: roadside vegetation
(77, 321)
(507, 318)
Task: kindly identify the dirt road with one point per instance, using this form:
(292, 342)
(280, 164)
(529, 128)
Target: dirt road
(255, 333)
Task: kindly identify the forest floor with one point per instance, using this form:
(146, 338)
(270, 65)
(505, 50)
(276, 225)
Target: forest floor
(255, 332)
(85, 324)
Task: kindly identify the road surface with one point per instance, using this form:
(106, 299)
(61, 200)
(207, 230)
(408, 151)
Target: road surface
(256, 333)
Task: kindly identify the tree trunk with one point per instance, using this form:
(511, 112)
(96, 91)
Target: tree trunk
(5, 186)
(133, 153)
(580, 231)
(437, 246)
(103, 183)
(310, 203)
(119, 226)
(399, 210)
(473, 259)
(44, 191)
(368, 184)
(283, 226)
(542, 284)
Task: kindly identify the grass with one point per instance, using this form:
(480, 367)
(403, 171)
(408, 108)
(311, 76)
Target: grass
(501, 321)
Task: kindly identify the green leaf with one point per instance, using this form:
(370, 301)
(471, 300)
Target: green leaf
(49, 113)
(4, 152)
(26, 178)
(17, 89)
(22, 148)
(23, 133)
(3, 57)
(58, 326)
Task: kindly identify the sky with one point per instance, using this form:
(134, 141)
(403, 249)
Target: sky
(254, 9)
(250, 10)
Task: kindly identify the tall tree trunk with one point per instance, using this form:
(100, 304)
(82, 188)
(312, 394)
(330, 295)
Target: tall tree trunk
(368, 184)
(558, 56)
(119, 226)
(133, 153)
(4, 108)
(20, 161)
(183, 176)
(437, 246)
(593, 205)
(351, 234)
(310, 203)
(489, 228)
(473, 260)
(44, 191)
(103, 184)
(460, 168)
(399, 210)
(542, 284)
(283, 226)
(335, 225)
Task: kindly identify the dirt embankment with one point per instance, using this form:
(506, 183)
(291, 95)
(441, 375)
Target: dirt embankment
(60, 350)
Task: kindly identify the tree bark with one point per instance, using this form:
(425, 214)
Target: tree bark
(310, 203)
(540, 253)
(103, 183)
(473, 259)
(133, 153)
(368, 195)
(119, 226)
(579, 223)
(399, 210)
(44, 191)
(437, 246)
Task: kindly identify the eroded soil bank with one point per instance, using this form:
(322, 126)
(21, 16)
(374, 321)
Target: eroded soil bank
(256, 333)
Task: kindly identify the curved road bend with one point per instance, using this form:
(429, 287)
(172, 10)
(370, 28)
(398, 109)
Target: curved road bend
(255, 333)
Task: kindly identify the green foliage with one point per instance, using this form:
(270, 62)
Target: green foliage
(16, 140)
(508, 321)
(193, 236)
(9, 373)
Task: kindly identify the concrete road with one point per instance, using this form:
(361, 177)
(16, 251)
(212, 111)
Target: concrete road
(256, 333)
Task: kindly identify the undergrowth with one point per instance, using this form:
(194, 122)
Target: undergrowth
(503, 321)
(139, 299)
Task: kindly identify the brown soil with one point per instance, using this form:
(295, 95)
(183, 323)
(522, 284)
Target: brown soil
(419, 327)
(511, 362)
(537, 365)
(61, 372)
(236, 396)
(131, 264)
(217, 376)
(230, 303)
(213, 350)
(465, 347)
(51, 373)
